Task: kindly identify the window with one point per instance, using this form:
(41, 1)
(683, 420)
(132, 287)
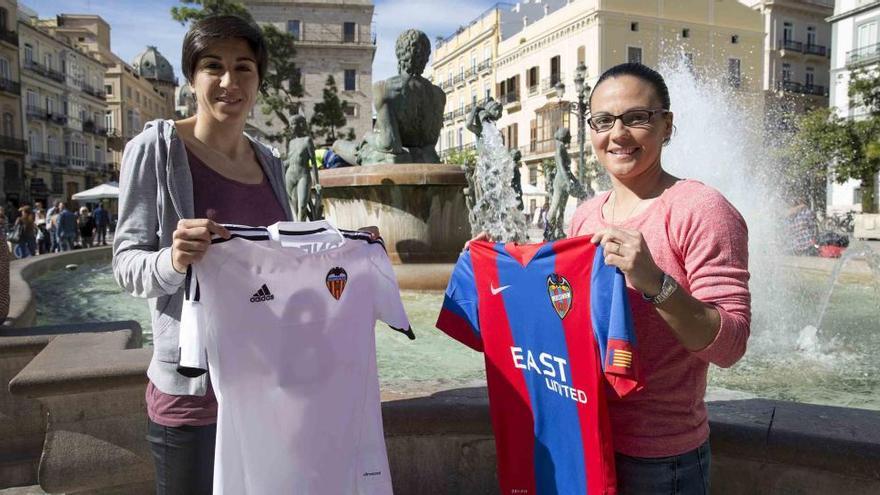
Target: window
(50, 105)
(487, 91)
(34, 142)
(4, 68)
(47, 60)
(867, 35)
(786, 72)
(734, 75)
(57, 183)
(734, 39)
(810, 76)
(634, 26)
(811, 35)
(685, 33)
(109, 121)
(582, 55)
(4, 15)
(8, 124)
(487, 53)
(28, 53)
(348, 32)
(634, 54)
(108, 88)
(555, 74)
(293, 28)
(787, 31)
(533, 79)
(350, 80)
(52, 147)
(533, 175)
(32, 99)
(349, 109)
(474, 63)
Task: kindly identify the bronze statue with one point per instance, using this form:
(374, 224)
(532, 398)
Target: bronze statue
(488, 111)
(561, 186)
(301, 172)
(516, 156)
(409, 112)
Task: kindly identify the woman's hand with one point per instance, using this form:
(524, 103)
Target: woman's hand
(191, 239)
(628, 251)
(482, 236)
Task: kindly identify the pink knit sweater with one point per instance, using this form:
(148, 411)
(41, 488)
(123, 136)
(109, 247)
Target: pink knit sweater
(696, 236)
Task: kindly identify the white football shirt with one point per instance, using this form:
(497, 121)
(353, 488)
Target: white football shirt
(284, 317)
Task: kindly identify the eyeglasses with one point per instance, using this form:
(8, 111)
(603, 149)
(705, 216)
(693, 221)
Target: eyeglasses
(605, 121)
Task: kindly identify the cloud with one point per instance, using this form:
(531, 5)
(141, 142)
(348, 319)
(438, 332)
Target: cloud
(434, 17)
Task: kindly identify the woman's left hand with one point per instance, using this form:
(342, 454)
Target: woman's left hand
(628, 251)
(372, 230)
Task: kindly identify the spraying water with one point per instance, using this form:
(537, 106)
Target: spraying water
(497, 204)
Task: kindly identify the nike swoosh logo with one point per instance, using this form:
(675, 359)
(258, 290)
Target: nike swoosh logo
(497, 291)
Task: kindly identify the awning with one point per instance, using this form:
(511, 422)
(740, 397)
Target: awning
(108, 190)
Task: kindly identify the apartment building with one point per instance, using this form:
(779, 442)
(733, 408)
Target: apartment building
(12, 145)
(334, 37)
(797, 55)
(855, 46)
(540, 44)
(136, 92)
(64, 106)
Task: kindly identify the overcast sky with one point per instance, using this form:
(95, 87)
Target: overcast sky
(137, 23)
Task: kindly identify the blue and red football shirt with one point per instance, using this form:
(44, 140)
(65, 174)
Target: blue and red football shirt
(555, 326)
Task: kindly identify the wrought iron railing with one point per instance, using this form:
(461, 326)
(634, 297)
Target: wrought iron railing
(864, 55)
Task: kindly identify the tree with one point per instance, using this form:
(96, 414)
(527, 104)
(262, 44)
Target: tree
(844, 148)
(282, 87)
(330, 112)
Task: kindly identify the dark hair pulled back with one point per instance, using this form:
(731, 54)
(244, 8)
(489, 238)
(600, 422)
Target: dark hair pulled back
(639, 71)
(206, 31)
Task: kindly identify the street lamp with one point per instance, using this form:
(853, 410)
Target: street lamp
(582, 89)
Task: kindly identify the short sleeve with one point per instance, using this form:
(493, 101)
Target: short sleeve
(193, 360)
(386, 298)
(613, 326)
(458, 317)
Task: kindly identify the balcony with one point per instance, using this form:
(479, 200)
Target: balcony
(37, 112)
(805, 89)
(92, 128)
(97, 93)
(818, 50)
(458, 79)
(863, 56)
(10, 37)
(509, 98)
(445, 85)
(58, 118)
(533, 90)
(10, 86)
(100, 167)
(8, 143)
(791, 46)
(448, 116)
(44, 71)
(49, 159)
(548, 84)
(485, 65)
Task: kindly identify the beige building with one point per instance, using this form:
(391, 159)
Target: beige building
(65, 104)
(797, 54)
(12, 144)
(334, 38)
(541, 44)
(135, 93)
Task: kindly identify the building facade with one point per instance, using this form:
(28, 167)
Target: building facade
(855, 46)
(135, 93)
(334, 37)
(12, 145)
(64, 107)
(540, 44)
(797, 54)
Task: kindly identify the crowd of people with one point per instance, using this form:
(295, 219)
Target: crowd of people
(33, 230)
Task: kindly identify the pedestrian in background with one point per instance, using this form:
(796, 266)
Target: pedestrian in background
(52, 227)
(102, 222)
(25, 231)
(66, 227)
(86, 225)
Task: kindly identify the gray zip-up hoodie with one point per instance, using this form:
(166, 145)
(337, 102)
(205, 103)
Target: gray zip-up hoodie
(155, 192)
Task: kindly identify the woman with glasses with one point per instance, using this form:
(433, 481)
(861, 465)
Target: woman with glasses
(684, 250)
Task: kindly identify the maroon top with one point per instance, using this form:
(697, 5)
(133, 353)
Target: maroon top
(225, 201)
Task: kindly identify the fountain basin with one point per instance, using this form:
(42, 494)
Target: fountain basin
(419, 208)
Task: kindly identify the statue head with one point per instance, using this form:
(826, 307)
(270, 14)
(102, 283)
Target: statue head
(493, 109)
(413, 50)
(300, 125)
(516, 155)
(563, 134)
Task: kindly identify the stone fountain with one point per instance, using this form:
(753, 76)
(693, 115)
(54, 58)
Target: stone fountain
(399, 184)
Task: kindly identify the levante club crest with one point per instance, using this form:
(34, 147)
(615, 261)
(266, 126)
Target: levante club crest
(560, 294)
(336, 279)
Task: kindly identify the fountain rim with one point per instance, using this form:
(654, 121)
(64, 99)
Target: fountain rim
(394, 174)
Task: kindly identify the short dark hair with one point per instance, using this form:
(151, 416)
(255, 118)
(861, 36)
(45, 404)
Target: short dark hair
(221, 27)
(639, 71)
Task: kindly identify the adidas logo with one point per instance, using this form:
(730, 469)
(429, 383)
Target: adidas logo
(262, 295)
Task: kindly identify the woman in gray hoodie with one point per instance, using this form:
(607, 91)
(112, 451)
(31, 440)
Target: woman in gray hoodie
(180, 181)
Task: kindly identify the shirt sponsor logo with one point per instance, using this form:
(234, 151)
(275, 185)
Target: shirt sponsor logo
(560, 294)
(552, 368)
(336, 280)
(262, 295)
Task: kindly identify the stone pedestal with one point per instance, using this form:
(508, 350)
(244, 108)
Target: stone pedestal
(419, 208)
